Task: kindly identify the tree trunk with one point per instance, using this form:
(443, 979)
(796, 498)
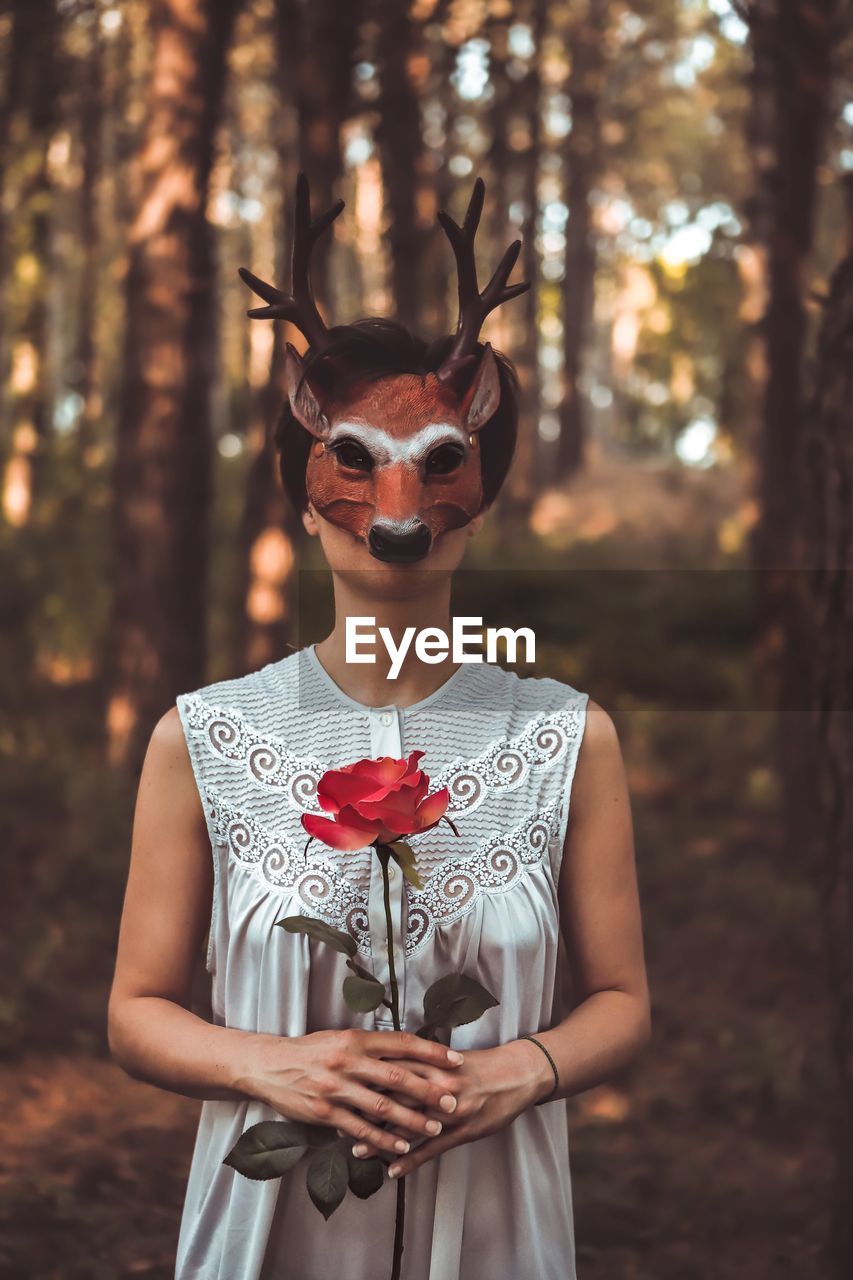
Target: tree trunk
(163, 458)
(31, 108)
(123, 83)
(315, 50)
(828, 543)
(792, 43)
(583, 159)
(438, 312)
(499, 155)
(522, 476)
(501, 231)
(793, 69)
(406, 180)
(805, 643)
(87, 380)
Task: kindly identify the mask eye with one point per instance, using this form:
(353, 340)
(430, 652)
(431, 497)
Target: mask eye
(444, 459)
(353, 455)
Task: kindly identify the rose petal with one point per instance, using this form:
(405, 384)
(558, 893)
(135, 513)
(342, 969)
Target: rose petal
(383, 771)
(432, 809)
(337, 789)
(327, 802)
(391, 812)
(413, 781)
(350, 817)
(420, 790)
(340, 837)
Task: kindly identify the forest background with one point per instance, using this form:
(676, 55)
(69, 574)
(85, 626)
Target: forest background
(677, 529)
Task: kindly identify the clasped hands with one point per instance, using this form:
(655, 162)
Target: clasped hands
(384, 1088)
(490, 1088)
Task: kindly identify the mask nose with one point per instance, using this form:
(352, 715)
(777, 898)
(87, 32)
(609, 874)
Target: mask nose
(399, 543)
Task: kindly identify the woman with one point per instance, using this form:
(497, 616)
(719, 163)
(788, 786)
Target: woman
(526, 898)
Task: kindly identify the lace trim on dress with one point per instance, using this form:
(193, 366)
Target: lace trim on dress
(280, 863)
(268, 761)
(495, 866)
(505, 764)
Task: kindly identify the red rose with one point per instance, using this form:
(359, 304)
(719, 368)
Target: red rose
(375, 800)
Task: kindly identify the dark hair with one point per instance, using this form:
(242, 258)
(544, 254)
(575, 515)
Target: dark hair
(375, 348)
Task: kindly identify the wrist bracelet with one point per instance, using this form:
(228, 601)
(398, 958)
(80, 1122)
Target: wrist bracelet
(553, 1068)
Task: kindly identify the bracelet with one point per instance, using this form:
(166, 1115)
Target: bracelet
(553, 1068)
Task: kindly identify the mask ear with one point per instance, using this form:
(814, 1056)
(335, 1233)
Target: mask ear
(483, 396)
(303, 403)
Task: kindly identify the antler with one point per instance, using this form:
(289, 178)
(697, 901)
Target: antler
(473, 305)
(298, 306)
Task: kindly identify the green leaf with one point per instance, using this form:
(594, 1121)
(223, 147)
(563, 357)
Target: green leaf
(327, 1180)
(365, 1176)
(405, 859)
(268, 1149)
(427, 1033)
(359, 969)
(455, 1000)
(319, 929)
(363, 994)
(320, 1135)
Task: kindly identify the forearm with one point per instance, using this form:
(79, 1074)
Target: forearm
(159, 1041)
(599, 1037)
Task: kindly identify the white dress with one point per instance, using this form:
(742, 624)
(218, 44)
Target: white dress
(499, 1208)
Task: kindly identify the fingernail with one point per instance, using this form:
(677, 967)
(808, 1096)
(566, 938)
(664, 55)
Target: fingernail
(401, 1145)
(433, 1126)
(448, 1102)
(394, 1171)
(359, 1149)
(453, 1056)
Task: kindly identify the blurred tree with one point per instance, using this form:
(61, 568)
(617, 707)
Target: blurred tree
(315, 47)
(583, 158)
(407, 185)
(156, 641)
(86, 376)
(500, 161)
(498, 155)
(793, 43)
(826, 500)
(29, 115)
(439, 110)
(526, 142)
(794, 47)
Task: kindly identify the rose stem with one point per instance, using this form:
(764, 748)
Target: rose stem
(395, 1014)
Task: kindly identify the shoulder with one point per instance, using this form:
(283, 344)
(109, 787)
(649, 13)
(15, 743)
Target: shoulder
(167, 775)
(600, 772)
(601, 736)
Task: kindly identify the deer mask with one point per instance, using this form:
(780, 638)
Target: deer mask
(395, 460)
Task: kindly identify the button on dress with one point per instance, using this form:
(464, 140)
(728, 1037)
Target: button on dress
(497, 1208)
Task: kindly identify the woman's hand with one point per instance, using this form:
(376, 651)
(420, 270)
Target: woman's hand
(335, 1078)
(494, 1086)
